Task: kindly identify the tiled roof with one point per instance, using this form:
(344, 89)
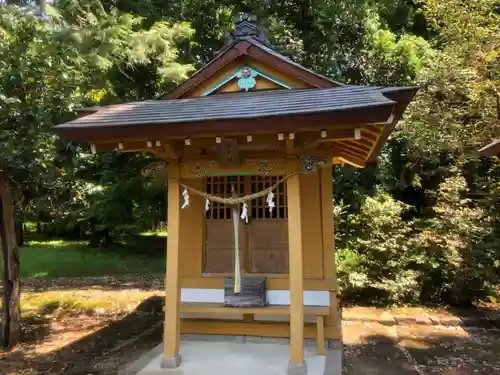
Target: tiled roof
(235, 106)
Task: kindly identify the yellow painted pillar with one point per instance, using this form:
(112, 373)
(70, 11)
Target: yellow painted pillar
(329, 266)
(297, 365)
(171, 337)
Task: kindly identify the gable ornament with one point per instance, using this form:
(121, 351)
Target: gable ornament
(246, 79)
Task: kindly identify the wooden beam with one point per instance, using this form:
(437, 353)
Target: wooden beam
(246, 154)
(352, 150)
(235, 132)
(358, 163)
(300, 140)
(196, 307)
(327, 222)
(337, 161)
(127, 146)
(356, 145)
(270, 167)
(172, 300)
(374, 145)
(158, 153)
(346, 153)
(376, 130)
(353, 157)
(257, 328)
(171, 151)
(325, 152)
(320, 339)
(296, 266)
(282, 283)
(290, 147)
(368, 135)
(312, 139)
(366, 142)
(209, 142)
(174, 148)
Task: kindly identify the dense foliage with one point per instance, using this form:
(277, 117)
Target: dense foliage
(421, 225)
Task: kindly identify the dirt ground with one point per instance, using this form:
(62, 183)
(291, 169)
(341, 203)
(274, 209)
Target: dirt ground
(406, 341)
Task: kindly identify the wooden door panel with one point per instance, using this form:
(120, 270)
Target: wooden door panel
(219, 247)
(269, 246)
(263, 241)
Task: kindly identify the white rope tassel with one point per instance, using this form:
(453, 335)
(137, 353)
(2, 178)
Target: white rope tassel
(244, 213)
(207, 205)
(185, 195)
(270, 201)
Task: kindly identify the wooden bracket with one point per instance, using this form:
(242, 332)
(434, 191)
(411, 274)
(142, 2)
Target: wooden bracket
(290, 146)
(171, 152)
(227, 153)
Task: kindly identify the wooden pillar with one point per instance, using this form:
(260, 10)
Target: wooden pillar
(171, 337)
(327, 225)
(192, 220)
(297, 364)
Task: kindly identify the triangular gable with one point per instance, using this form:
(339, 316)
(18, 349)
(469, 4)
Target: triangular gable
(247, 47)
(247, 77)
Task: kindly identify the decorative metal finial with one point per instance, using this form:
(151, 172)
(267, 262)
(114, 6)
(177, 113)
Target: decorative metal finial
(246, 28)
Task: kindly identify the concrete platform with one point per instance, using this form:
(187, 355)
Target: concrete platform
(242, 355)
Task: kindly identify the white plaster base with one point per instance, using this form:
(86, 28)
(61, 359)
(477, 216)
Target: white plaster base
(274, 297)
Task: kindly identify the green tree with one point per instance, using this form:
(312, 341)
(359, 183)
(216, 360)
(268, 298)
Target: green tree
(49, 67)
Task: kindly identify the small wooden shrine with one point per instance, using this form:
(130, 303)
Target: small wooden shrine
(248, 144)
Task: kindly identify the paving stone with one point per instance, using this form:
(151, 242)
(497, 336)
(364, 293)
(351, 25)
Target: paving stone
(387, 319)
(435, 320)
(423, 320)
(450, 321)
(405, 319)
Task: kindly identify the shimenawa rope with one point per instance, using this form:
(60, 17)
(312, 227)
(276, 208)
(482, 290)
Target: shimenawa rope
(239, 200)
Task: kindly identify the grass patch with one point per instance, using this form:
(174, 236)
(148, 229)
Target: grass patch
(76, 302)
(60, 258)
(160, 233)
(46, 304)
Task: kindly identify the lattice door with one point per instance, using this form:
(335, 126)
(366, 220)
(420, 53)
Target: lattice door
(219, 237)
(263, 241)
(268, 230)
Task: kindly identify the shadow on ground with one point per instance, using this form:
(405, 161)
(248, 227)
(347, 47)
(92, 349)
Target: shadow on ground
(370, 348)
(105, 283)
(101, 352)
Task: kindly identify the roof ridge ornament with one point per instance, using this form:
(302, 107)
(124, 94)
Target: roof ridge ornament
(246, 27)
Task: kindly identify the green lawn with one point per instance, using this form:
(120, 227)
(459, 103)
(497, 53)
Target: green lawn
(58, 258)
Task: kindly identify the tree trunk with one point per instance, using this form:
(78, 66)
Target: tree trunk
(11, 311)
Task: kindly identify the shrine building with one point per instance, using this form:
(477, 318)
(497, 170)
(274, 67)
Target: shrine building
(247, 145)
